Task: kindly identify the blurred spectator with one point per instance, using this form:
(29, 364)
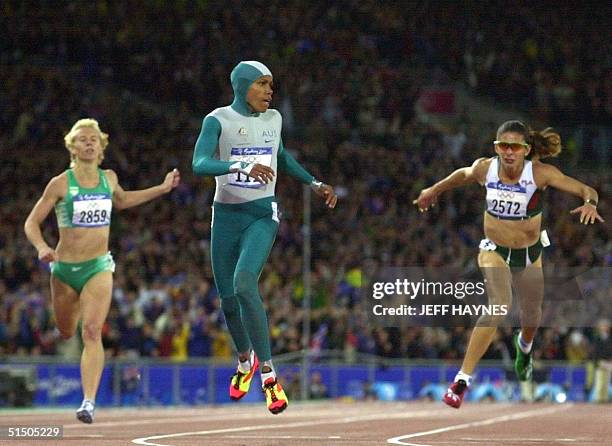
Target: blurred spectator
(350, 77)
(317, 389)
(603, 362)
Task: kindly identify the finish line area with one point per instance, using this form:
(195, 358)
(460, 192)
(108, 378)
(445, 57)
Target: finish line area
(329, 423)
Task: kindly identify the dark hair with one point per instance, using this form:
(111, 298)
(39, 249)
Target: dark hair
(545, 143)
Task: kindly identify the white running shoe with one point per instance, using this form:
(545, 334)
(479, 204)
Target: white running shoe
(85, 413)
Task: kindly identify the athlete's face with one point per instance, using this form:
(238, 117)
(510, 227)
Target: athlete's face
(511, 148)
(86, 145)
(259, 95)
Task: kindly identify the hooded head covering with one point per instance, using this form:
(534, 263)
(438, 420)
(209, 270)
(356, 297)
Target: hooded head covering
(243, 75)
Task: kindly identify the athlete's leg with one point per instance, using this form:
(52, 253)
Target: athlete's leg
(95, 303)
(498, 281)
(256, 243)
(499, 289)
(529, 285)
(225, 249)
(66, 307)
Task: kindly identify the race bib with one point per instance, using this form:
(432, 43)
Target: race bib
(506, 200)
(91, 210)
(254, 155)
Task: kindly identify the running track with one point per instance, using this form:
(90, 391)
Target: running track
(330, 423)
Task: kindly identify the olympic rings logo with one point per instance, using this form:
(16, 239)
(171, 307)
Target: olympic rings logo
(507, 195)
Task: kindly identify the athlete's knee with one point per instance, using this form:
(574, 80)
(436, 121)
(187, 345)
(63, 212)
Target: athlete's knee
(230, 306)
(66, 333)
(245, 285)
(490, 320)
(66, 329)
(91, 332)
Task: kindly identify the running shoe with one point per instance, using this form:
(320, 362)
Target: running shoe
(523, 364)
(275, 396)
(240, 383)
(85, 413)
(455, 393)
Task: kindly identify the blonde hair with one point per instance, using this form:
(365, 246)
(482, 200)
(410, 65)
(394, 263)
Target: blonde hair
(69, 138)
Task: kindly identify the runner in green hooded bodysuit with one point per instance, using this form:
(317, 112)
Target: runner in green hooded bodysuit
(241, 146)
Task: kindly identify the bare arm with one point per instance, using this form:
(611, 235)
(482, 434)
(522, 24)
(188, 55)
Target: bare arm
(52, 194)
(476, 173)
(123, 199)
(548, 175)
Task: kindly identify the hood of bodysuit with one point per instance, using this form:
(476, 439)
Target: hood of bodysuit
(243, 75)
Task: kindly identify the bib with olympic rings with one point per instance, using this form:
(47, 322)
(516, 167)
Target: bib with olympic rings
(518, 201)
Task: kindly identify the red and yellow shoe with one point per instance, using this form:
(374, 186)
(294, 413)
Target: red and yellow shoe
(275, 396)
(240, 383)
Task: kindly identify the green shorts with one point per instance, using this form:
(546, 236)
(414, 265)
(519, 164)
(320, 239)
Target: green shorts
(78, 274)
(514, 258)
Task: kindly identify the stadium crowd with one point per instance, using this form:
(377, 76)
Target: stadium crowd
(347, 81)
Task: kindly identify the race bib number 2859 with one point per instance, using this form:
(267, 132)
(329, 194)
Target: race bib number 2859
(91, 211)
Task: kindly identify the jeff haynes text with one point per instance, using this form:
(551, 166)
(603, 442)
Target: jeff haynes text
(441, 310)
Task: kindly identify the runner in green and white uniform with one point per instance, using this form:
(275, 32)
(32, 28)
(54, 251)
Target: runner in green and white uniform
(511, 252)
(241, 146)
(81, 265)
(84, 207)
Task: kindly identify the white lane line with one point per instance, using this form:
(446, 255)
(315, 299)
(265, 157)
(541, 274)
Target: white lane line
(489, 421)
(146, 441)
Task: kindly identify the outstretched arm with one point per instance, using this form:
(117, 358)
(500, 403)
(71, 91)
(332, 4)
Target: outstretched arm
(475, 173)
(287, 163)
(126, 199)
(38, 214)
(548, 175)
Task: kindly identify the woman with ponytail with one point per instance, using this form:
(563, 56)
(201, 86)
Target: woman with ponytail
(510, 253)
(545, 143)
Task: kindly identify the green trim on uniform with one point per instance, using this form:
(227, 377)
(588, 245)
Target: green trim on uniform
(535, 206)
(203, 162)
(65, 207)
(76, 275)
(517, 258)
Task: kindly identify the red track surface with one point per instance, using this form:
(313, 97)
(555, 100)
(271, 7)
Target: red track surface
(331, 423)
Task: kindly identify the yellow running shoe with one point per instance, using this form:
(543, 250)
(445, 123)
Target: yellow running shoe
(275, 396)
(240, 383)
